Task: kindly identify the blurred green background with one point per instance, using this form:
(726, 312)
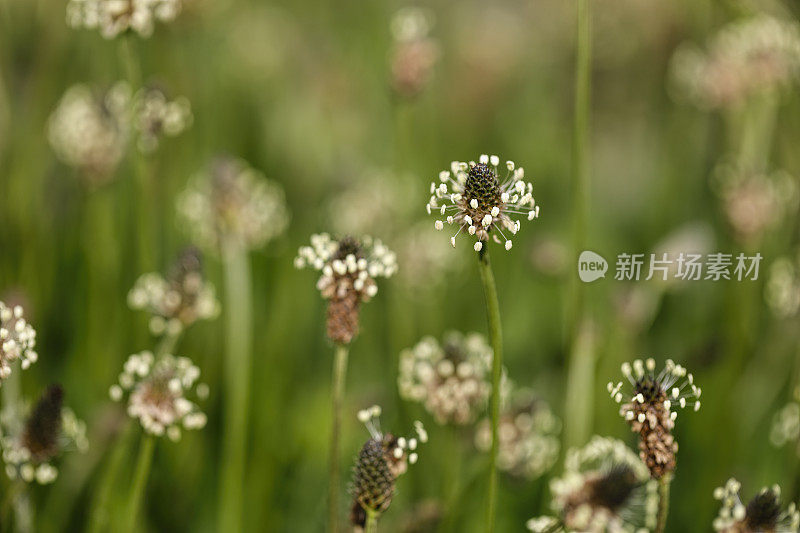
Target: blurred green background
(301, 89)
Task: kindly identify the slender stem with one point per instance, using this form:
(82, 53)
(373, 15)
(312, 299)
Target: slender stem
(456, 457)
(140, 474)
(578, 428)
(337, 392)
(108, 486)
(663, 503)
(372, 522)
(237, 383)
(496, 341)
(23, 512)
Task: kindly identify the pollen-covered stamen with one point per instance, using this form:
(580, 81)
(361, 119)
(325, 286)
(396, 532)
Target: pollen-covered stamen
(474, 197)
(648, 408)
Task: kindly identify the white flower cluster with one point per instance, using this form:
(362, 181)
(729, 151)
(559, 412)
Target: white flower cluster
(528, 436)
(786, 424)
(449, 379)
(22, 463)
(17, 340)
(233, 202)
(579, 496)
(155, 116)
(174, 306)
(762, 514)
(403, 450)
(347, 264)
(744, 58)
(157, 393)
(113, 17)
(472, 196)
(672, 387)
(90, 131)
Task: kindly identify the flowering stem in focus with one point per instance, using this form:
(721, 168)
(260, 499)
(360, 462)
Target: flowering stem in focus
(579, 427)
(663, 503)
(338, 383)
(372, 522)
(496, 341)
(238, 326)
(143, 462)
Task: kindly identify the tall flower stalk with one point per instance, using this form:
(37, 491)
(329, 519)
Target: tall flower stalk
(580, 380)
(349, 268)
(473, 197)
(232, 209)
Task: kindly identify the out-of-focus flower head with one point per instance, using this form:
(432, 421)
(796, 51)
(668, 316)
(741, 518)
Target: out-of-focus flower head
(745, 58)
(17, 340)
(450, 379)
(114, 17)
(157, 393)
(754, 202)
(154, 117)
(349, 268)
(528, 435)
(647, 406)
(473, 197)
(382, 459)
(762, 513)
(233, 202)
(32, 442)
(605, 488)
(89, 130)
(782, 291)
(786, 424)
(178, 300)
(413, 54)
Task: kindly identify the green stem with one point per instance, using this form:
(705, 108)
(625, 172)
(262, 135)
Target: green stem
(338, 383)
(143, 463)
(372, 522)
(237, 383)
(456, 457)
(663, 503)
(577, 430)
(101, 512)
(496, 341)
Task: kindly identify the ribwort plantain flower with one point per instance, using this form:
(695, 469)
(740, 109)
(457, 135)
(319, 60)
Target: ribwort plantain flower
(233, 202)
(382, 459)
(786, 424)
(114, 17)
(158, 393)
(605, 488)
(32, 443)
(473, 197)
(450, 379)
(528, 435)
(745, 58)
(89, 130)
(349, 268)
(180, 299)
(17, 340)
(155, 117)
(648, 408)
(414, 54)
(782, 291)
(763, 513)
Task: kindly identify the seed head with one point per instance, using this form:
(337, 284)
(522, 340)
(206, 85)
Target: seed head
(31, 442)
(761, 514)
(178, 300)
(234, 203)
(605, 487)
(114, 17)
(157, 393)
(89, 130)
(349, 268)
(474, 197)
(449, 379)
(648, 408)
(528, 434)
(381, 460)
(17, 340)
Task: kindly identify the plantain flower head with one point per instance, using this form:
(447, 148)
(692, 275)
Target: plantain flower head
(115, 17)
(763, 513)
(17, 340)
